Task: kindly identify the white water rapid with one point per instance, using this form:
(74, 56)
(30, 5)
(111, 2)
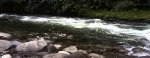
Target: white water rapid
(138, 31)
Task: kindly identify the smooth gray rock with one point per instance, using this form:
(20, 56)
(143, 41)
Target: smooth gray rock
(71, 49)
(64, 52)
(6, 56)
(55, 55)
(32, 45)
(4, 44)
(93, 55)
(58, 46)
(5, 35)
(78, 54)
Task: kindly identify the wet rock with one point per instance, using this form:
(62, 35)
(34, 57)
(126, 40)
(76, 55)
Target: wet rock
(4, 44)
(5, 35)
(70, 37)
(121, 49)
(139, 49)
(64, 52)
(16, 43)
(145, 57)
(93, 55)
(32, 45)
(70, 49)
(6, 56)
(49, 55)
(57, 46)
(42, 53)
(55, 55)
(78, 54)
(51, 48)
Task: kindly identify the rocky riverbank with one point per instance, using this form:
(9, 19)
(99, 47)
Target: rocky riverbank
(44, 47)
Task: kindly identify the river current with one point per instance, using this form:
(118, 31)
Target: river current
(129, 31)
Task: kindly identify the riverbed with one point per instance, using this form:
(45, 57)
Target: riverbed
(79, 31)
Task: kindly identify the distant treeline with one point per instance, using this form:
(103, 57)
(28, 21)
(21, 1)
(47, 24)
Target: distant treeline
(71, 6)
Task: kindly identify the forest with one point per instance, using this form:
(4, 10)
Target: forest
(104, 9)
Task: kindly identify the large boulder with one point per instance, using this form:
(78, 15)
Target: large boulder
(6, 56)
(32, 45)
(71, 49)
(4, 44)
(78, 54)
(56, 55)
(5, 35)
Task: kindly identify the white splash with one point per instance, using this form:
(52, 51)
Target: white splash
(91, 23)
(139, 54)
(1, 15)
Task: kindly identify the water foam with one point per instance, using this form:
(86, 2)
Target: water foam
(98, 23)
(113, 28)
(92, 23)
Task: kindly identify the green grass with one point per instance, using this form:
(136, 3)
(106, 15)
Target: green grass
(140, 15)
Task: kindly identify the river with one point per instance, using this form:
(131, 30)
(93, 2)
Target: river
(129, 34)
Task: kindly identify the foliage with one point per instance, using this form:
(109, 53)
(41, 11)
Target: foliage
(139, 15)
(72, 6)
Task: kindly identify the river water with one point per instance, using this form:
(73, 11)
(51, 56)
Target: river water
(130, 34)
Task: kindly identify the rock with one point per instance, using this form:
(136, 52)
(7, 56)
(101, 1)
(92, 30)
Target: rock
(49, 55)
(145, 57)
(64, 52)
(16, 43)
(5, 35)
(70, 37)
(78, 54)
(42, 53)
(55, 55)
(4, 44)
(121, 49)
(139, 49)
(93, 55)
(6, 56)
(51, 48)
(32, 45)
(57, 46)
(70, 49)
(83, 51)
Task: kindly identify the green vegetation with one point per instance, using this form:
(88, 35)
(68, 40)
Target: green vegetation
(141, 15)
(120, 9)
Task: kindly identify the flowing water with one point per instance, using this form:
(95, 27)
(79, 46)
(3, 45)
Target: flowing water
(130, 34)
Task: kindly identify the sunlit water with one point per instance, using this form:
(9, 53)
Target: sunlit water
(134, 31)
